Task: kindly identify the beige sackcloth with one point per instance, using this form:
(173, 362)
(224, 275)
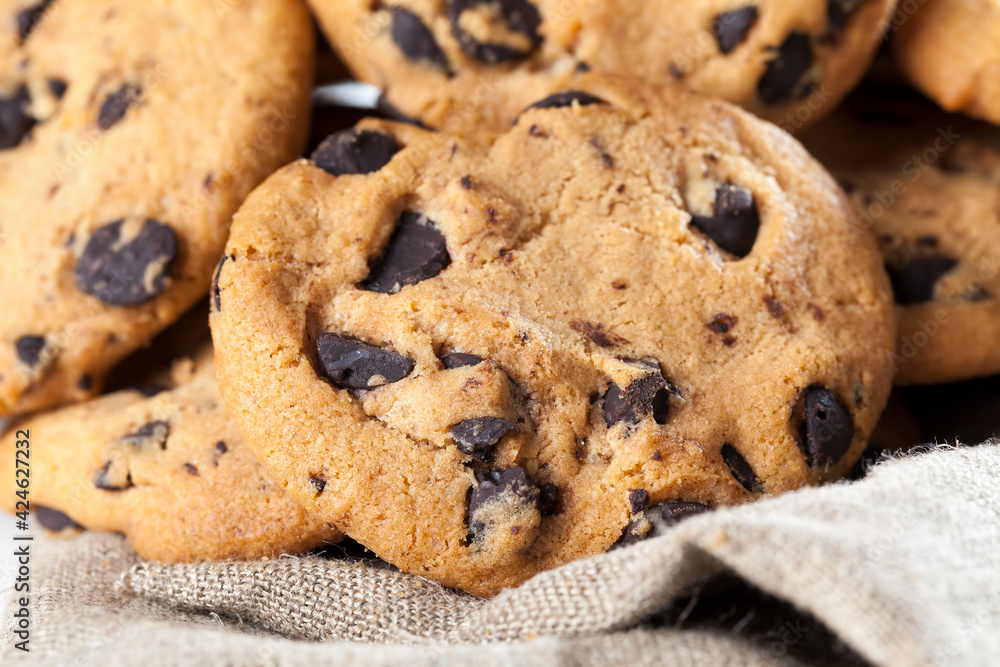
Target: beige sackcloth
(900, 568)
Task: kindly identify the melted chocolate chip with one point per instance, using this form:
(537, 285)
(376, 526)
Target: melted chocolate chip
(722, 323)
(29, 349)
(520, 16)
(827, 429)
(479, 435)
(415, 40)
(221, 448)
(129, 274)
(15, 123)
(648, 395)
(150, 389)
(352, 364)
(417, 251)
(318, 482)
(914, 282)
(53, 520)
(191, 469)
(740, 469)
(566, 99)
(117, 104)
(216, 292)
(109, 479)
(838, 13)
(638, 500)
(597, 334)
(152, 433)
(548, 499)
(654, 521)
(783, 79)
(512, 485)
(731, 28)
(28, 19)
(459, 359)
(735, 222)
(85, 383)
(58, 88)
(355, 152)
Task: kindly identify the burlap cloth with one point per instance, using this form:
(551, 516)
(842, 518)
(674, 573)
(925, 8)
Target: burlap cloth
(900, 568)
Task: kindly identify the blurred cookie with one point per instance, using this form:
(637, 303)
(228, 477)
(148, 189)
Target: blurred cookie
(129, 134)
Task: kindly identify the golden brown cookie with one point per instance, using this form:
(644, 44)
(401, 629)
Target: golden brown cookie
(129, 134)
(950, 49)
(478, 63)
(482, 356)
(168, 469)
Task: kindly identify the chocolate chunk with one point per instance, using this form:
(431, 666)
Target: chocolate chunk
(85, 383)
(638, 500)
(417, 251)
(741, 470)
(774, 307)
(129, 274)
(150, 389)
(735, 222)
(355, 152)
(15, 123)
(415, 40)
(352, 364)
(459, 359)
(117, 104)
(722, 323)
(479, 435)
(731, 28)
(28, 19)
(318, 482)
(654, 521)
(53, 520)
(648, 395)
(512, 485)
(827, 429)
(914, 282)
(221, 448)
(597, 334)
(58, 88)
(566, 99)
(548, 499)
(838, 13)
(783, 79)
(154, 432)
(109, 478)
(191, 469)
(29, 349)
(520, 16)
(216, 292)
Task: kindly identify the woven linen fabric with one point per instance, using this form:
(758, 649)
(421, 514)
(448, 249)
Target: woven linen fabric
(900, 568)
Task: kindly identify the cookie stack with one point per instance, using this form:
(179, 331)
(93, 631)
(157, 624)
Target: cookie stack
(566, 295)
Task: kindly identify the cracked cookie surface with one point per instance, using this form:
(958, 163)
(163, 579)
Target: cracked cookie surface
(168, 468)
(477, 354)
(476, 62)
(129, 134)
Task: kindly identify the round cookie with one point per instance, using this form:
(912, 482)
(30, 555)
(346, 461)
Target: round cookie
(930, 195)
(477, 63)
(950, 49)
(483, 356)
(170, 470)
(129, 134)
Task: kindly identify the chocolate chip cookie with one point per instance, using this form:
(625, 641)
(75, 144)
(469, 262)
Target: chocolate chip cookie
(167, 468)
(930, 196)
(129, 134)
(950, 49)
(473, 62)
(485, 355)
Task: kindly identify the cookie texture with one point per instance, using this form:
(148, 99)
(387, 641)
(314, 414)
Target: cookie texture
(168, 469)
(475, 63)
(950, 49)
(129, 134)
(930, 196)
(474, 359)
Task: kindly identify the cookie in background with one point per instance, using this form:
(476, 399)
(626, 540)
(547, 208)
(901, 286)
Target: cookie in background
(130, 134)
(475, 63)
